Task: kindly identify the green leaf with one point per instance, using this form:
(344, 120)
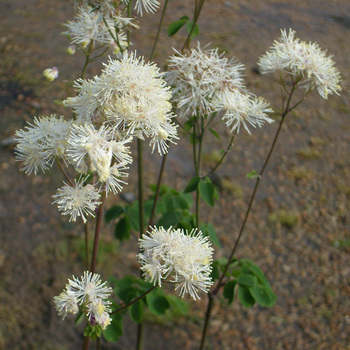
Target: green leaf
(192, 185)
(157, 303)
(247, 280)
(252, 174)
(229, 291)
(215, 133)
(122, 229)
(206, 190)
(174, 27)
(178, 305)
(195, 31)
(115, 329)
(245, 297)
(93, 332)
(114, 212)
(212, 235)
(170, 218)
(263, 295)
(124, 288)
(136, 312)
(133, 215)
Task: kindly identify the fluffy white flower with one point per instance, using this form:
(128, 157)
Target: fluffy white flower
(150, 6)
(66, 304)
(40, 142)
(242, 109)
(91, 27)
(99, 149)
(198, 76)
(177, 257)
(132, 96)
(90, 293)
(77, 200)
(306, 61)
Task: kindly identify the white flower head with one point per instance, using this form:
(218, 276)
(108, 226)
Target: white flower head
(99, 149)
(66, 304)
(91, 294)
(242, 109)
(150, 6)
(77, 201)
(40, 142)
(134, 98)
(198, 76)
(305, 61)
(90, 27)
(51, 73)
(177, 257)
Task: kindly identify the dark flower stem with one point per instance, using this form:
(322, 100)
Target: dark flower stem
(99, 218)
(220, 283)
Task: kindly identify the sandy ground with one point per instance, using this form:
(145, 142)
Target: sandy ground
(307, 180)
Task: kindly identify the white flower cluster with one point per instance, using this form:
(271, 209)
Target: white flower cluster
(205, 82)
(100, 151)
(89, 294)
(78, 200)
(132, 96)
(177, 257)
(40, 142)
(91, 27)
(310, 66)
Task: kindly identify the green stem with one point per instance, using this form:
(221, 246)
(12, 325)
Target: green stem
(97, 233)
(159, 28)
(223, 155)
(87, 60)
(197, 11)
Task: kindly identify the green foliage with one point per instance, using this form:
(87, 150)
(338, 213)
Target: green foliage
(114, 213)
(208, 191)
(157, 302)
(115, 330)
(209, 230)
(136, 312)
(252, 174)
(122, 229)
(93, 332)
(174, 27)
(252, 284)
(193, 184)
(195, 31)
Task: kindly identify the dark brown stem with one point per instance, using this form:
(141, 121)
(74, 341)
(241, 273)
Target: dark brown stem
(207, 319)
(86, 234)
(99, 218)
(86, 343)
(156, 195)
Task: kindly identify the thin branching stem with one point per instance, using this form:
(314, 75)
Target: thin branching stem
(86, 235)
(133, 301)
(98, 227)
(141, 222)
(223, 155)
(65, 174)
(159, 28)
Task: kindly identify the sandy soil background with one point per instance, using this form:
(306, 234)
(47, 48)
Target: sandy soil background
(298, 231)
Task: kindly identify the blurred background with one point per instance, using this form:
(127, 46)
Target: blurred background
(298, 231)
